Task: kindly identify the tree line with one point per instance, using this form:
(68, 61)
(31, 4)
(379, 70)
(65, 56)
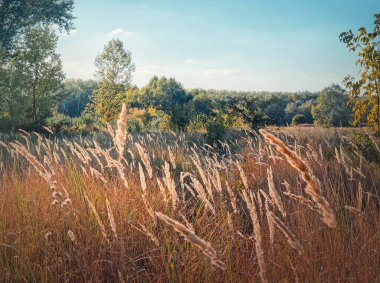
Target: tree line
(34, 91)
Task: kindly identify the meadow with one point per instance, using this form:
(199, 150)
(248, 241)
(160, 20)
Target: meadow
(289, 204)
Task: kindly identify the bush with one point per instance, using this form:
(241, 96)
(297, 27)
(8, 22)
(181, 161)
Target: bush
(133, 125)
(299, 119)
(215, 129)
(87, 122)
(198, 123)
(367, 147)
(58, 122)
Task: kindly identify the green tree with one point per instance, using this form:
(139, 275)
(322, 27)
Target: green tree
(201, 103)
(169, 96)
(77, 95)
(13, 101)
(364, 92)
(32, 78)
(114, 65)
(215, 129)
(332, 108)
(40, 69)
(17, 16)
(107, 100)
(250, 110)
(114, 71)
(299, 119)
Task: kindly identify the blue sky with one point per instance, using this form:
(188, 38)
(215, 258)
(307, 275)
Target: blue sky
(243, 45)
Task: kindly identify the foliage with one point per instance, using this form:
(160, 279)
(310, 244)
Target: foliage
(198, 123)
(33, 78)
(114, 64)
(114, 70)
(40, 69)
(368, 146)
(298, 119)
(58, 122)
(13, 101)
(133, 125)
(364, 92)
(170, 97)
(18, 16)
(107, 100)
(332, 109)
(87, 121)
(250, 110)
(215, 129)
(77, 95)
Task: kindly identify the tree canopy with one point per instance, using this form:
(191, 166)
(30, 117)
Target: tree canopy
(33, 78)
(16, 16)
(77, 95)
(332, 107)
(114, 71)
(364, 91)
(114, 64)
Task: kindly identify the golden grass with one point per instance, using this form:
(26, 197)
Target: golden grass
(110, 222)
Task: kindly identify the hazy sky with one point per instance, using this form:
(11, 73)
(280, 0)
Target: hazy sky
(244, 45)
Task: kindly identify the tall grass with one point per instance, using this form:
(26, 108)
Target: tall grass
(166, 207)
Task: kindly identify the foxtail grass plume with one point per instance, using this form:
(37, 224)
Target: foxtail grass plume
(121, 132)
(191, 237)
(313, 187)
(250, 202)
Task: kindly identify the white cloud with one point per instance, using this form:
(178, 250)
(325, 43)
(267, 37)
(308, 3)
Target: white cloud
(221, 72)
(121, 32)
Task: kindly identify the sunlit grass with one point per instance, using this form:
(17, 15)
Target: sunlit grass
(88, 224)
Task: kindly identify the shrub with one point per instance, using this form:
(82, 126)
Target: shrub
(299, 119)
(215, 129)
(198, 123)
(133, 125)
(367, 147)
(58, 122)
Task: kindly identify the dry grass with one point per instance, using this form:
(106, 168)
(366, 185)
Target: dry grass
(75, 210)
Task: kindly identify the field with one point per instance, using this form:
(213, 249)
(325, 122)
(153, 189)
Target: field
(301, 205)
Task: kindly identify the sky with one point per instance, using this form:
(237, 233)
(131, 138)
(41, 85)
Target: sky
(272, 45)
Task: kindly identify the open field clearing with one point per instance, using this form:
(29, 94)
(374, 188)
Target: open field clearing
(165, 207)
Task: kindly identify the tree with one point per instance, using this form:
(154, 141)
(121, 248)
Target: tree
(249, 109)
(364, 92)
(40, 68)
(332, 108)
(201, 103)
(114, 64)
(114, 70)
(31, 79)
(215, 129)
(13, 101)
(107, 100)
(77, 95)
(299, 119)
(17, 16)
(169, 96)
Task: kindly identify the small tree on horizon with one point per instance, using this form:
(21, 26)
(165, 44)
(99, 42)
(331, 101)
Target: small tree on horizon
(114, 71)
